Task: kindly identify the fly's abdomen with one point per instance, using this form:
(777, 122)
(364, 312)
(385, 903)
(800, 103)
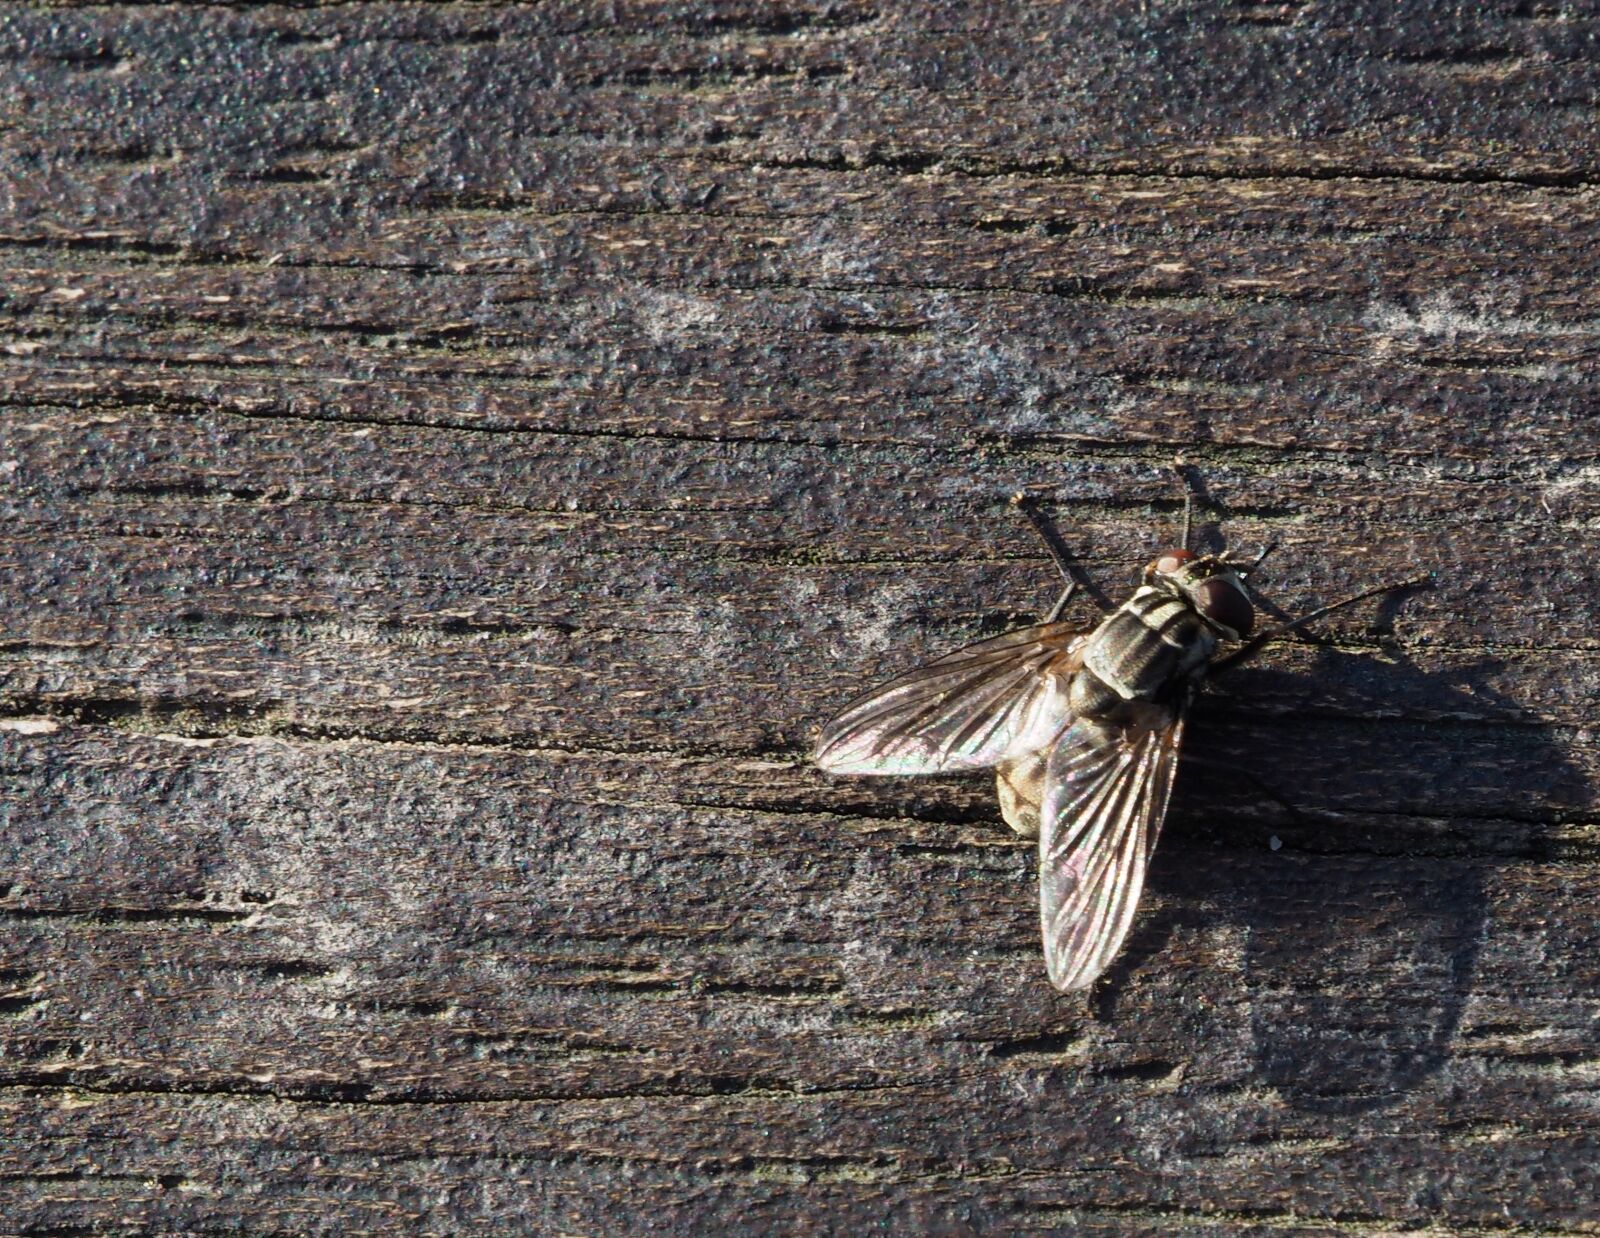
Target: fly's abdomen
(1145, 648)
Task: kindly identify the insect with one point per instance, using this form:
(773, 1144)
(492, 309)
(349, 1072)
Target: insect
(1083, 730)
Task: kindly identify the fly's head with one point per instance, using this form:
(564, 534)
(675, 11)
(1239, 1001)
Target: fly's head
(1211, 586)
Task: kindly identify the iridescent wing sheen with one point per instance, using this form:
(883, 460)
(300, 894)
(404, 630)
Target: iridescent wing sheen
(1105, 796)
(971, 709)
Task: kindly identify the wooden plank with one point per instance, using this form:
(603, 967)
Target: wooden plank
(537, 936)
(453, 456)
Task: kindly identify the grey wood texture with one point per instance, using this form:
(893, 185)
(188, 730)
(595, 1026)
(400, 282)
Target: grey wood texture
(455, 455)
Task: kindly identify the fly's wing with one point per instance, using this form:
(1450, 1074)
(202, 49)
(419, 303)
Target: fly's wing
(971, 709)
(1106, 792)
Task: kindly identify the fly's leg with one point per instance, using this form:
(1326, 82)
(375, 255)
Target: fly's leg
(1244, 569)
(1048, 533)
(1182, 470)
(1255, 644)
(1193, 489)
(1059, 555)
(1061, 602)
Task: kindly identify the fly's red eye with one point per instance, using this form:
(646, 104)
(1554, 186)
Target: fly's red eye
(1168, 561)
(1225, 605)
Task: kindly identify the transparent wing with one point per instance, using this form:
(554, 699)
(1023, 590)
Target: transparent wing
(1106, 793)
(969, 710)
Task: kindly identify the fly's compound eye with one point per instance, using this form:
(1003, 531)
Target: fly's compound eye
(1224, 604)
(1166, 563)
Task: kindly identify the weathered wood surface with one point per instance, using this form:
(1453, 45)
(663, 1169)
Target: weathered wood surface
(454, 455)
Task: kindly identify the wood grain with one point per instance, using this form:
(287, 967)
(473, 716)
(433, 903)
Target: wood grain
(452, 457)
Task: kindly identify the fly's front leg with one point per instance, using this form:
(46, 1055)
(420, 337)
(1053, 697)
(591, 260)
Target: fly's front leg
(1181, 467)
(1254, 645)
(1060, 556)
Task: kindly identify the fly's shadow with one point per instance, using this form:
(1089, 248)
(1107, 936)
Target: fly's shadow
(1340, 843)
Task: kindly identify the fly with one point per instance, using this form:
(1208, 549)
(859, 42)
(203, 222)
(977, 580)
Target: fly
(1083, 730)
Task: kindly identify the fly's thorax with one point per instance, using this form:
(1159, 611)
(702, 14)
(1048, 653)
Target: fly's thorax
(1149, 649)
